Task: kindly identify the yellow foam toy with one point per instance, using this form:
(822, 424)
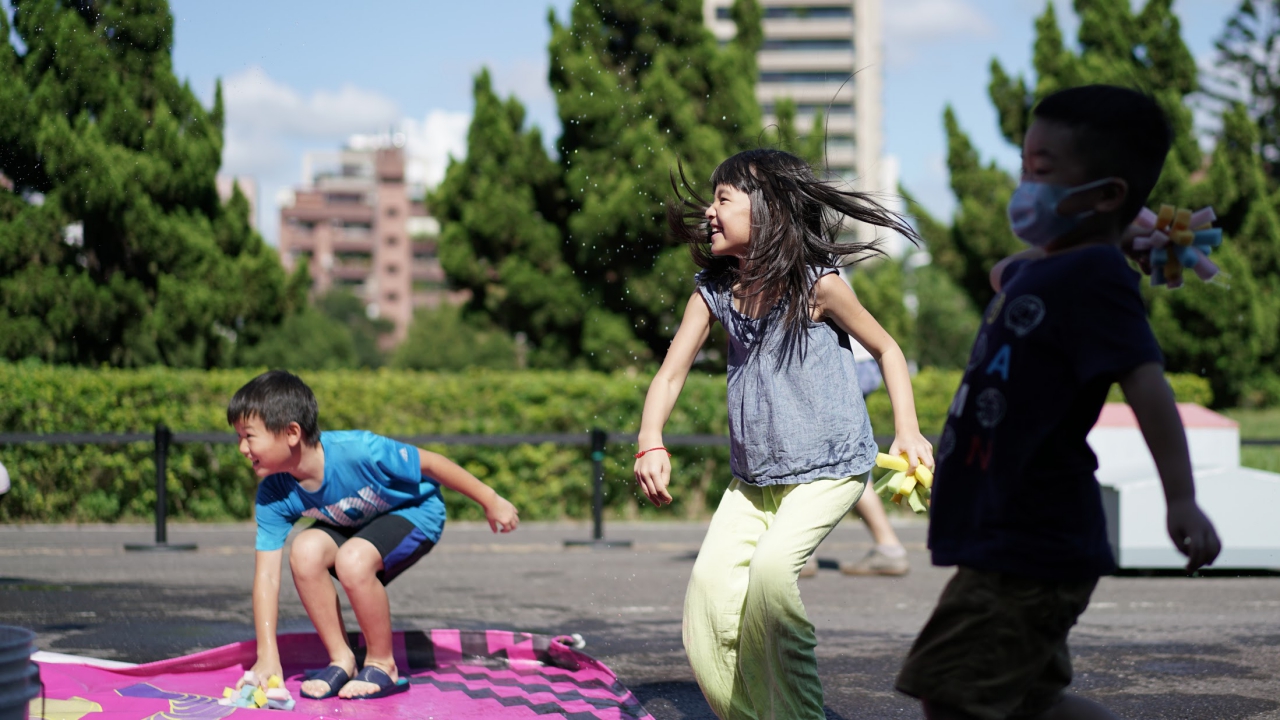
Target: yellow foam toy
(909, 490)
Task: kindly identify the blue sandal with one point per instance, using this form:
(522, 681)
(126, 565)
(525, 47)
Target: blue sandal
(377, 676)
(335, 676)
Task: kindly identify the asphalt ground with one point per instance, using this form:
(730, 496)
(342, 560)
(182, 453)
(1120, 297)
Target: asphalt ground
(1149, 647)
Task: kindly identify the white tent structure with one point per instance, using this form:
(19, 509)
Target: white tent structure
(1243, 503)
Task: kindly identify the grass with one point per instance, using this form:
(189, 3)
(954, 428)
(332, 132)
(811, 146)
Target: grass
(1258, 424)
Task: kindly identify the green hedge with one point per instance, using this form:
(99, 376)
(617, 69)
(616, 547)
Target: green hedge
(90, 483)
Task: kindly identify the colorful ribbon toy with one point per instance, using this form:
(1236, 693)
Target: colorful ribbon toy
(898, 486)
(1178, 238)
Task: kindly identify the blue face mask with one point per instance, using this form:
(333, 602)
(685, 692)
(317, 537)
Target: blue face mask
(1033, 211)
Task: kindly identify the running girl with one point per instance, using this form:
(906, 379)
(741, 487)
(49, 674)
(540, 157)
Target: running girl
(801, 441)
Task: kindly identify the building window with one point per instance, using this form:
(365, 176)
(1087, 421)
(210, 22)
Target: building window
(392, 211)
(391, 240)
(392, 269)
(343, 198)
(798, 12)
(817, 76)
(392, 297)
(803, 109)
(809, 45)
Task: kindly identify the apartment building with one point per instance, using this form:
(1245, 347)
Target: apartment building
(825, 55)
(354, 222)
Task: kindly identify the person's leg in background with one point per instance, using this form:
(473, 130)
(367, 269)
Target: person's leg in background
(887, 556)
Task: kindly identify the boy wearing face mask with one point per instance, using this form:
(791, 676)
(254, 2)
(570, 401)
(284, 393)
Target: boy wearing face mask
(1015, 503)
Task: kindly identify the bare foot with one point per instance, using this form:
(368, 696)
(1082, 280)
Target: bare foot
(320, 688)
(359, 688)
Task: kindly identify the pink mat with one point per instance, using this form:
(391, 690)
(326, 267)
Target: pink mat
(456, 674)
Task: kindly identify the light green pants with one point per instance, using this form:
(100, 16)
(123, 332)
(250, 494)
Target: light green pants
(748, 638)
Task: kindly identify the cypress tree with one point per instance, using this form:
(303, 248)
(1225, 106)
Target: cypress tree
(501, 211)
(1247, 71)
(114, 246)
(573, 252)
(641, 86)
(1225, 330)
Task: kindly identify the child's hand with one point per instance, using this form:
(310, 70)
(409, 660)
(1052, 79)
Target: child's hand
(1193, 534)
(653, 473)
(1141, 257)
(502, 515)
(264, 670)
(915, 448)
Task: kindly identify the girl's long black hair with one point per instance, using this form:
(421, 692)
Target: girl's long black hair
(796, 220)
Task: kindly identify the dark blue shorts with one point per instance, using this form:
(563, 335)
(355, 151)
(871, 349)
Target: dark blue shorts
(399, 542)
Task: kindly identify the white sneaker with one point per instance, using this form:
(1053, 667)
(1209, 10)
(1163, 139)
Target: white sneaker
(876, 562)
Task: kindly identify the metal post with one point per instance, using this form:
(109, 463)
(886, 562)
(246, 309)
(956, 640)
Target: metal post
(598, 440)
(163, 437)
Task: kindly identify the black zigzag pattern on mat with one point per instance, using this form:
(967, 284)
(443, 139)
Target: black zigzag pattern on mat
(474, 646)
(632, 709)
(616, 689)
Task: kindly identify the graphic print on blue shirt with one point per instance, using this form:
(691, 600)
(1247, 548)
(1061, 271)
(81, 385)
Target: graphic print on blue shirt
(1015, 490)
(365, 476)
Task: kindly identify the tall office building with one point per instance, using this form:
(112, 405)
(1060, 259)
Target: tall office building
(355, 224)
(825, 55)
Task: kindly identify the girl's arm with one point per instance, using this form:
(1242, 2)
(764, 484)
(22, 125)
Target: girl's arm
(502, 515)
(266, 610)
(653, 470)
(837, 302)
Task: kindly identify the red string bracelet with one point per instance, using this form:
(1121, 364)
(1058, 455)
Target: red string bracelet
(642, 452)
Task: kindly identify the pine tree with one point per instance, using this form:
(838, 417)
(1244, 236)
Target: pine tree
(114, 246)
(641, 86)
(501, 211)
(1247, 71)
(1227, 334)
(811, 147)
(574, 253)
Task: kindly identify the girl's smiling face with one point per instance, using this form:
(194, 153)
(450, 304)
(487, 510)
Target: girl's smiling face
(729, 222)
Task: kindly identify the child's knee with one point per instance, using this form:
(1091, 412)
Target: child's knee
(357, 562)
(773, 570)
(311, 553)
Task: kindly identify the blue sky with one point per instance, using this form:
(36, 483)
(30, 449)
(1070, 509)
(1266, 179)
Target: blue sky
(307, 75)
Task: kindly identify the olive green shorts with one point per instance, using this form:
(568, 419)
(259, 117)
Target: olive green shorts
(996, 645)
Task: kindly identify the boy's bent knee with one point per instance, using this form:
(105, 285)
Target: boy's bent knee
(312, 552)
(357, 561)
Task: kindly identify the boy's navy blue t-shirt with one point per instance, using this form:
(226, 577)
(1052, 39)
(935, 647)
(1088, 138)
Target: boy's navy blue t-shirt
(1015, 490)
(365, 476)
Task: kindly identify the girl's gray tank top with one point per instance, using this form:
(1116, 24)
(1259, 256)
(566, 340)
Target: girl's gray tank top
(790, 422)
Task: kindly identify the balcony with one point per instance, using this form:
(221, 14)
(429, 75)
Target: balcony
(354, 213)
(347, 272)
(833, 61)
(802, 93)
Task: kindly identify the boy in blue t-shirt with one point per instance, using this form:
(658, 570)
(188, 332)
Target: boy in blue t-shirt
(1015, 502)
(378, 510)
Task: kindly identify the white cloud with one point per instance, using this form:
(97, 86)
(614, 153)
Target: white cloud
(270, 125)
(254, 98)
(429, 143)
(911, 24)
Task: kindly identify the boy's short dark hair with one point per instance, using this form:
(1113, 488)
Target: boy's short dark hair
(1120, 132)
(278, 397)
